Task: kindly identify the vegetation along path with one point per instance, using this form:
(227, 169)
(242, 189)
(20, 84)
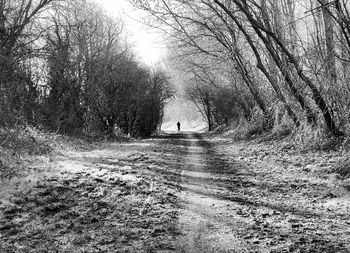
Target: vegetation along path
(172, 193)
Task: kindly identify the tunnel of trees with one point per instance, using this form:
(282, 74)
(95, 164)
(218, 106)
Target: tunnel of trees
(267, 59)
(68, 67)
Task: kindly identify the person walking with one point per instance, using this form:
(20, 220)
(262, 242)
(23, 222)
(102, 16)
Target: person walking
(178, 126)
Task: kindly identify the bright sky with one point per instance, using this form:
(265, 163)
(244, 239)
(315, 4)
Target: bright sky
(150, 48)
(148, 44)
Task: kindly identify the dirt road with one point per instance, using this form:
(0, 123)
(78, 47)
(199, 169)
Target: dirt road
(173, 193)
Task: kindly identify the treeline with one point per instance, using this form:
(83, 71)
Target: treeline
(68, 67)
(278, 59)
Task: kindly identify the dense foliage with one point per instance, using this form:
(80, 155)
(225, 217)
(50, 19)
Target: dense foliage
(68, 67)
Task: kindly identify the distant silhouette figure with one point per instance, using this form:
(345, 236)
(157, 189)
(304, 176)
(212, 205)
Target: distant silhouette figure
(178, 126)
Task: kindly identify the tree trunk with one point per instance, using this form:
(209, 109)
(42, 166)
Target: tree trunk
(330, 44)
(208, 112)
(316, 95)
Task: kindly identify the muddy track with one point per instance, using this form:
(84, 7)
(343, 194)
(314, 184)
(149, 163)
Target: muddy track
(231, 206)
(106, 200)
(173, 193)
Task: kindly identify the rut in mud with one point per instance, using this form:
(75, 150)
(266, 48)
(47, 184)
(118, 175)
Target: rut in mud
(173, 193)
(231, 206)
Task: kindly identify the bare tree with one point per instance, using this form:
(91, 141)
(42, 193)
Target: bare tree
(267, 34)
(17, 37)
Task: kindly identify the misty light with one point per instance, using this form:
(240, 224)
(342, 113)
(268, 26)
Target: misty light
(147, 43)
